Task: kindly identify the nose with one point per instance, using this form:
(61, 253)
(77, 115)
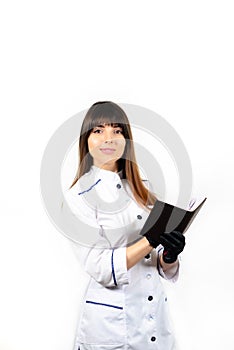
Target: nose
(108, 136)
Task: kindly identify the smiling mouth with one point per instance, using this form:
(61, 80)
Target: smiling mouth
(107, 150)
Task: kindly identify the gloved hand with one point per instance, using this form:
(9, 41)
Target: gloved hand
(173, 244)
(152, 239)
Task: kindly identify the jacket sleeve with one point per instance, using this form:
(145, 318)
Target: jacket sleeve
(171, 274)
(103, 263)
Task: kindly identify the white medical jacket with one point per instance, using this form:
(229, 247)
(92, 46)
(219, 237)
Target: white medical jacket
(122, 309)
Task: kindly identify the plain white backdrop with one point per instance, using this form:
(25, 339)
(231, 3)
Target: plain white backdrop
(57, 58)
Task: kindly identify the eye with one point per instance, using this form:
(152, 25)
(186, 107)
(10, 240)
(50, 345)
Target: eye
(119, 131)
(97, 131)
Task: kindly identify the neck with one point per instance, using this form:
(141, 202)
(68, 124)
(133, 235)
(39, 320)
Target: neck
(106, 166)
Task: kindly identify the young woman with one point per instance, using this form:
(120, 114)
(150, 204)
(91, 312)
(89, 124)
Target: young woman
(125, 306)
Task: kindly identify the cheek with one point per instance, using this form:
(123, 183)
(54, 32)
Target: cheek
(92, 143)
(122, 144)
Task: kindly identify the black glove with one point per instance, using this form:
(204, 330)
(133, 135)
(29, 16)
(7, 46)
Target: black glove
(173, 244)
(153, 241)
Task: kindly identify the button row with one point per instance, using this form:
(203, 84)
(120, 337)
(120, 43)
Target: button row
(139, 217)
(151, 318)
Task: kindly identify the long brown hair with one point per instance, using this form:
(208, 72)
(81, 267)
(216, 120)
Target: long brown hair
(107, 112)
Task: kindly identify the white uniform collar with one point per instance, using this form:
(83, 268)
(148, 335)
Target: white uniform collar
(107, 185)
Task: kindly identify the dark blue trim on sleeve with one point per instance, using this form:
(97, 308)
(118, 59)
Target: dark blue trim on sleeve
(160, 249)
(112, 266)
(109, 305)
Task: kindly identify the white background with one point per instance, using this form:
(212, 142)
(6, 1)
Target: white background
(59, 57)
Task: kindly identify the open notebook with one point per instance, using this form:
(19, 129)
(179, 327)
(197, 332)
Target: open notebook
(165, 217)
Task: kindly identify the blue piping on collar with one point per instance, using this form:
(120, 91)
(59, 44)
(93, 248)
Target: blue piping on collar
(90, 187)
(109, 305)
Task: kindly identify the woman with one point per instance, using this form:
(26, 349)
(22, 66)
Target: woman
(125, 306)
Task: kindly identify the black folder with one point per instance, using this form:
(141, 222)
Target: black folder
(165, 217)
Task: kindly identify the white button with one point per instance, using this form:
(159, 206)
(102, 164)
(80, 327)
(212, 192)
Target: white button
(148, 276)
(151, 318)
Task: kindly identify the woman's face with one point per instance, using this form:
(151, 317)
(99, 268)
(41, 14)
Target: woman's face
(106, 145)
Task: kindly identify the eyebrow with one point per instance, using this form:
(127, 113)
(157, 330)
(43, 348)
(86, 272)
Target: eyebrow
(103, 126)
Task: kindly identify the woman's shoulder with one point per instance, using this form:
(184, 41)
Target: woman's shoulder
(76, 188)
(78, 204)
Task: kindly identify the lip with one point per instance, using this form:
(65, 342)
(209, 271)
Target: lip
(107, 150)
